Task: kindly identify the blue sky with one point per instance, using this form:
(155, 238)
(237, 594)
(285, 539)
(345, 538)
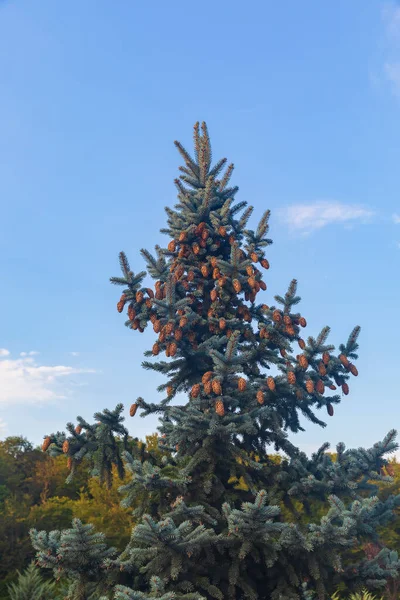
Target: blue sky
(304, 98)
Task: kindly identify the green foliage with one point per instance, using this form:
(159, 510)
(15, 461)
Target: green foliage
(31, 586)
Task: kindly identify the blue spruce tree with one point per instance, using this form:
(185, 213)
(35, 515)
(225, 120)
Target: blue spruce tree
(223, 519)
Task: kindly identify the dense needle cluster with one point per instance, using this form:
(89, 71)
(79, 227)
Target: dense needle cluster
(228, 520)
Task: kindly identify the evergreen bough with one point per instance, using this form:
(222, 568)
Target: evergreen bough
(223, 517)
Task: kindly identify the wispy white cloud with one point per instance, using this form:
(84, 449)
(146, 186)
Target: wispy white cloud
(396, 219)
(31, 353)
(305, 218)
(4, 352)
(74, 353)
(23, 380)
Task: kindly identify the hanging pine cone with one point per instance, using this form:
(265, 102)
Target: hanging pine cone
(231, 239)
(222, 323)
(302, 344)
(353, 369)
(252, 297)
(249, 270)
(133, 409)
(135, 324)
(170, 390)
(290, 330)
(345, 389)
(326, 358)
(78, 429)
(204, 235)
(196, 248)
(159, 294)
(276, 316)
(260, 397)
(167, 351)
(299, 395)
(291, 378)
(216, 387)
(191, 336)
(264, 263)
(178, 334)
(69, 463)
(207, 387)
(131, 312)
(229, 333)
(302, 322)
(173, 349)
(120, 306)
(213, 295)
(46, 443)
(251, 281)
(271, 383)
(204, 271)
(329, 408)
(263, 285)
(310, 386)
(242, 384)
(221, 281)
(332, 387)
(169, 328)
(219, 408)
(162, 337)
(303, 362)
(172, 246)
(150, 292)
(320, 387)
(222, 231)
(322, 369)
(149, 302)
(254, 257)
(139, 297)
(191, 276)
(216, 273)
(344, 360)
(182, 236)
(65, 447)
(287, 320)
(183, 322)
(237, 286)
(283, 352)
(157, 326)
(207, 377)
(195, 391)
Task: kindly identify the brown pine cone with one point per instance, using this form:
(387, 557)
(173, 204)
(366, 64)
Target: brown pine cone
(242, 384)
(216, 387)
(344, 360)
(196, 248)
(149, 302)
(213, 261)
(133, 409)
(139, 297)
(131, 312)
(237, 286)
(173, 349)
(120, 306)
(345, 389)
(183, 322)
(170, 390)
(207, 377)
(260, 397)
(251, 281)
(150, 292)
(229, 333)
(231, 239)
(157, 326)
(182, 236)
(302, 322)
(353, 369)
(172, 246)
(287, 320)
(276, 316)
(222, 231)
(320, 387)
(249, 270)
(283, 352)
(78, 429)
(195, 391)
(303, 362)
(191, 276)
(204, 271)
(271, 383)
(254, 257)
(291, 378)
(219, 408)
(302, 344)
(69, 463)
(213, 295)
(263, 285)
(322, 369)
(65, 447)
(162, 337)
(207, 387)
(222, 323)
(216, 273)
(329, 408)
(326, 358)
(290, 330)
(332, 387)
(310, 386)
(168, 351)
(252, 297)
(178, 334)
(169, 328)
(46, 443)
(191, 336)
(264, 263)
(204, 234)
